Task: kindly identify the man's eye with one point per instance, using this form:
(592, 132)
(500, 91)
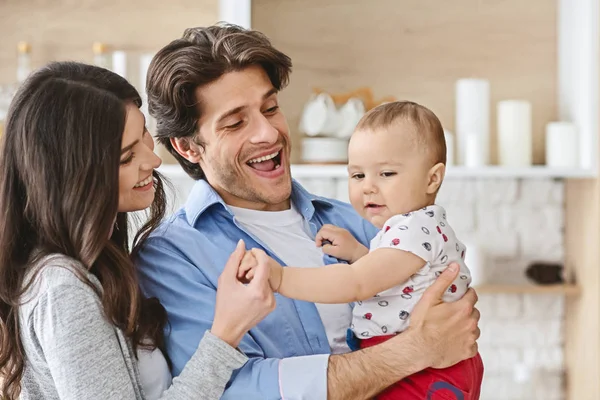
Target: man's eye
(236, 125)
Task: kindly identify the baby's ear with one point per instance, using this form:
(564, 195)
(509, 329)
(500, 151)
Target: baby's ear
(436, 176)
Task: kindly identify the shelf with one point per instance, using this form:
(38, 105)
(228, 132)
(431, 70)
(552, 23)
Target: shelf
(493, 171)
(339, 171)
(538, 171)
(564, 289)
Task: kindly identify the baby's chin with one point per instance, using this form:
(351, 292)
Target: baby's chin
(378, 220)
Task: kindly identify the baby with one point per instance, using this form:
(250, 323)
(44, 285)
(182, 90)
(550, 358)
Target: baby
(396, 166)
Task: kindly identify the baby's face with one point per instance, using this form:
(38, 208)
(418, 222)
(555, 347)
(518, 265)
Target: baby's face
(388, 173)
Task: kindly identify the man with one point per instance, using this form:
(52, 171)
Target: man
(214, 94)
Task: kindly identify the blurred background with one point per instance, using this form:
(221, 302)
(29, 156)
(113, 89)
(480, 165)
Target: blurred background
(515, 84)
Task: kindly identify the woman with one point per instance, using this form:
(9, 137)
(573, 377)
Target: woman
(75, 159)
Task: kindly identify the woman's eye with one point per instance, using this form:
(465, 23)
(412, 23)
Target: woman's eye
(128, 159)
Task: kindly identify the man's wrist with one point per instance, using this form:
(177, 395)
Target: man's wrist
(365, 373)
(413, 341)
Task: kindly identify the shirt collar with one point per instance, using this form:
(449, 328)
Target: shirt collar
(203, 196)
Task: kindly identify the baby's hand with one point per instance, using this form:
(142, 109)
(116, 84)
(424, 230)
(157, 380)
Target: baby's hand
(250, 262)
(276, 270)
(340, 243)
(246, 269)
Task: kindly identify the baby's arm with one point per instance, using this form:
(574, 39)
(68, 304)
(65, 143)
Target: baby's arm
(377, 271)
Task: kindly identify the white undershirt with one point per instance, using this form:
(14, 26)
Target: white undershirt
(287, 234)
(155, 376)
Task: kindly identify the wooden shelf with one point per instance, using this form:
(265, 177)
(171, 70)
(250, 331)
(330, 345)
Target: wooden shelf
(564, 289)
(303, 171)
(491, 171)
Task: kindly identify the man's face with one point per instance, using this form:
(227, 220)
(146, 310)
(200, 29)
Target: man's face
(246, 140)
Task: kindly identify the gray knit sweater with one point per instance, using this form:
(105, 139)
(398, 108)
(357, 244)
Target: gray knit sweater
(73, 352)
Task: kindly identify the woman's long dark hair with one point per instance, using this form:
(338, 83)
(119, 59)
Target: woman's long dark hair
(59, 183)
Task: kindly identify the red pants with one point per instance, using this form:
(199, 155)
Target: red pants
(459, 382)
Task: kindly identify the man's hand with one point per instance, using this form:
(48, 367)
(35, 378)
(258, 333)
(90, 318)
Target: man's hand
(448, 332)
(340, 243)
(440, 335)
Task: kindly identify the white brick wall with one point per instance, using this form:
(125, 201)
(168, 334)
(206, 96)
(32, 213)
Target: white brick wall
(519, 221)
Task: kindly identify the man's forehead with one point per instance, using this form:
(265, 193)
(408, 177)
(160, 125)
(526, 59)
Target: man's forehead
(235, 86)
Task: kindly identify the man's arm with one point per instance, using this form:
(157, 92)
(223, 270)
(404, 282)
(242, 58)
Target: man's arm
(440, 335)
(438, 332)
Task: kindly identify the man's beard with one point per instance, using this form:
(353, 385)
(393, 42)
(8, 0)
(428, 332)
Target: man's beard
(242, 188)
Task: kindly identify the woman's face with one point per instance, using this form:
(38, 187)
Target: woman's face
(138, 161)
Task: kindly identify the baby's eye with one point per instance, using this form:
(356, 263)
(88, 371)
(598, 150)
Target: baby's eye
(358, 176)
(387, 174)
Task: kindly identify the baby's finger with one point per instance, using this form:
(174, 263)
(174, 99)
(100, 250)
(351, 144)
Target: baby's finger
(250, 274)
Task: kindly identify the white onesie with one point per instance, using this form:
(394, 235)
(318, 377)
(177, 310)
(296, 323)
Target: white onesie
(427, 234)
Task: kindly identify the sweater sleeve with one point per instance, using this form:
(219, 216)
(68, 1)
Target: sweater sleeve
(205, 375)
(86, 360)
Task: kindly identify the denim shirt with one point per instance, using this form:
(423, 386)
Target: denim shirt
(288, 351)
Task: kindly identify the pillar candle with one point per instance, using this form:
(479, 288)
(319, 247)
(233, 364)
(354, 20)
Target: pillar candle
(514, 133)
(473, 116)
(562, 145)
(119, 63)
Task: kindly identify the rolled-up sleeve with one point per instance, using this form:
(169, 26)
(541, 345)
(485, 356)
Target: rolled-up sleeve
(304, 378)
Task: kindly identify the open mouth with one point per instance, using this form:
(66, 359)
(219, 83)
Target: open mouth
(267, 163)
(373, 207)
(144, 183)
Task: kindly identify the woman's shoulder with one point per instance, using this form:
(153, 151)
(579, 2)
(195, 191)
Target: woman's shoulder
(51, 273)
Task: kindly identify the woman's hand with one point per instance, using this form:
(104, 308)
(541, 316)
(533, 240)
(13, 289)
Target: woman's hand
(240, 307)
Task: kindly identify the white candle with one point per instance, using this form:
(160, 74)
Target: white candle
(476, 261)
(119, 63)
(562, 145)
(473, 154)
(449, 148)
(514, 133)
(473, 116)
(145, 60)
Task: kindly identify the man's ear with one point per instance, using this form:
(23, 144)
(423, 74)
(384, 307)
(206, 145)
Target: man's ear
(187, 149)
(436, 176)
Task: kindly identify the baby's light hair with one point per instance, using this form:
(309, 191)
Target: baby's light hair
(429, 130)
